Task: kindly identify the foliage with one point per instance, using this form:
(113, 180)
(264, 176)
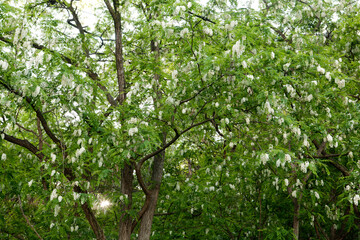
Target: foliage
(247, 117)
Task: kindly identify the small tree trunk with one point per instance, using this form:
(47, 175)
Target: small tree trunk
(126, 189)
(90, 216)
(147, 218)
(296, 219)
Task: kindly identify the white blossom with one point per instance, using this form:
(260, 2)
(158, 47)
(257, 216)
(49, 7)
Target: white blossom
(4, 65)
(287, 158)
(177, 186)
(328, 76)
(268, 108)
(30, 182)
(53, 157)
(53, 194)
(306, 142)
(286, 181)
(238, 49)
(208, 31)
(309, 98)
(320, 70)
(351, 155)
(278, 162)
(133, 120)
(293, 194)
(264, 157)
(286, 66)
(76, 195)
(184, 32)
(356, 199)
(53, 172)
(60, 198)
(79, 151)
(179, 9)
(272, 55)
(244, 64)
(304, 166)
(317, 195)
(329, 138)
(340, 83)
(3, 156)
(57, 210)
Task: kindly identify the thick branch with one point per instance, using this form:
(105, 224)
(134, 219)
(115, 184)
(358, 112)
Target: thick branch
(25, 144)
(340, 167)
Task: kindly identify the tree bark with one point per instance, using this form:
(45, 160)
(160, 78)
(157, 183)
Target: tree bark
(296, 218)
(148, 216)
(126, 189)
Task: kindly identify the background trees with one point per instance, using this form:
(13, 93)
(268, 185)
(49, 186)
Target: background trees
(247, 119)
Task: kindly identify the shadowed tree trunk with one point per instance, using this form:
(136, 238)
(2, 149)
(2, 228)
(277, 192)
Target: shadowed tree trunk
(147, 218)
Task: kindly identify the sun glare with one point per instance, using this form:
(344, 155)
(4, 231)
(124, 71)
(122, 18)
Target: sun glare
(105, 204)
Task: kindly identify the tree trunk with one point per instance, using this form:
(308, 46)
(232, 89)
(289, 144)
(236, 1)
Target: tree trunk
(296, 219)
(126, 189)
(157, 173)
(99, 233)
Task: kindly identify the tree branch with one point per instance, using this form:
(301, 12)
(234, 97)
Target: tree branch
(25, 144)
(27, 219)
(202, 17)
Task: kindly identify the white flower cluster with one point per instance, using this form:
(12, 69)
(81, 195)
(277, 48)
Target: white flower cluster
(184, 32)
(53, 194)
(4, 65)
(231, 26)
(56, 210)
(238, 49)
(132, 131)
(356, 199)
(79, 152)
(286, 182)
(264, 157)
(306, 142)
(286, 66)
(268, 108)
(320, 70)
(272, 55)
(3, 156)
(290, 90)
(304, 166)
(72, 228)
(308, 98)
(208, 31)
(76, 195)
(179, 9)
(340, 83)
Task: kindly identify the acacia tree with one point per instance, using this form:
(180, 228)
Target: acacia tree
(245, 100)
